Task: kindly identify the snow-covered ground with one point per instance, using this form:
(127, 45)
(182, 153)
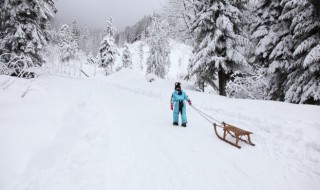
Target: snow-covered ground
(116, 132)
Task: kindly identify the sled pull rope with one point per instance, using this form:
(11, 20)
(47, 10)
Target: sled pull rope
(207, 117)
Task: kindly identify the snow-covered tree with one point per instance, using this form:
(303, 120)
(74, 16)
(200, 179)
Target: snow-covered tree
(180, 15)
(108, 49)
(75, 32)
(272, 47)
(141, 52)
(286, 35)
(221, 42)
(68, 46)
(24, 32)
(267, 30)
(158, 60)
(110, 30)
(303, 82)
(126, 57)
(108, 52)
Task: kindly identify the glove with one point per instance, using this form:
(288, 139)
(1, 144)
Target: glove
(189, 101)
(171, 106)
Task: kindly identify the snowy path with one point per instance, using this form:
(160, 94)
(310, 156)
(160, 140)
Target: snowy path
(118, 135)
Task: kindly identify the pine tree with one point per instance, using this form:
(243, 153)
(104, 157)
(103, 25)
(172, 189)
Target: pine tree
(108, 49)
(24, 32)
(287, 35)
(303, 82)
(268, 30)
(158, 41)
(220, 41)
(126, 57)
(272, 48)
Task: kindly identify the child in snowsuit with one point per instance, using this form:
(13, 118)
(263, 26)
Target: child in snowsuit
(178, 105)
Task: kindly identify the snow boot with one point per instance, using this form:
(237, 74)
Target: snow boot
(175, 123)
(184, 125)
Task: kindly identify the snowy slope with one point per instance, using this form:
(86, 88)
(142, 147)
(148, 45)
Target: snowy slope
(116, 133)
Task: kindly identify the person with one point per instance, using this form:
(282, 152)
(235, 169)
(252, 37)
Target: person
(178, 105)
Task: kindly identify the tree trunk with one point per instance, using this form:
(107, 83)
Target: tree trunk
(202, 85)
(222, 82)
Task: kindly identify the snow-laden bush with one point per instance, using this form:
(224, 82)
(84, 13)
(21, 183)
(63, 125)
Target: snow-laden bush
(151, 77)
(3, 68)
(248, 85)
(91, 60)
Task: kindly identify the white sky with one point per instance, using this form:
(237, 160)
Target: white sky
(95, 13)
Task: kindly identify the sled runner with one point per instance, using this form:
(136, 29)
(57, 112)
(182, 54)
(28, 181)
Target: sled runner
(235, 132)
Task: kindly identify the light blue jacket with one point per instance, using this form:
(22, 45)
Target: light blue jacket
(175, 99)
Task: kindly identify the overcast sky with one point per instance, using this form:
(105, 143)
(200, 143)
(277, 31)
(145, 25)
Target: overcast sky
(95, 13)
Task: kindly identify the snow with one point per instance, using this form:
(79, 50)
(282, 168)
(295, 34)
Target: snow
(116, 132)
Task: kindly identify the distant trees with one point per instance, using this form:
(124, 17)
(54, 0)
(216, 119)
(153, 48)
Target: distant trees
(138, 31)
(24, 33)
(126, 57)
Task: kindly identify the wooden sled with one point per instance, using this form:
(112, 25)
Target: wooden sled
(234, 132)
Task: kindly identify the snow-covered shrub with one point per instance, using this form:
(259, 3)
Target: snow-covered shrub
(151, 77)
(248, 85)
(4, 70)
(91, 60)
